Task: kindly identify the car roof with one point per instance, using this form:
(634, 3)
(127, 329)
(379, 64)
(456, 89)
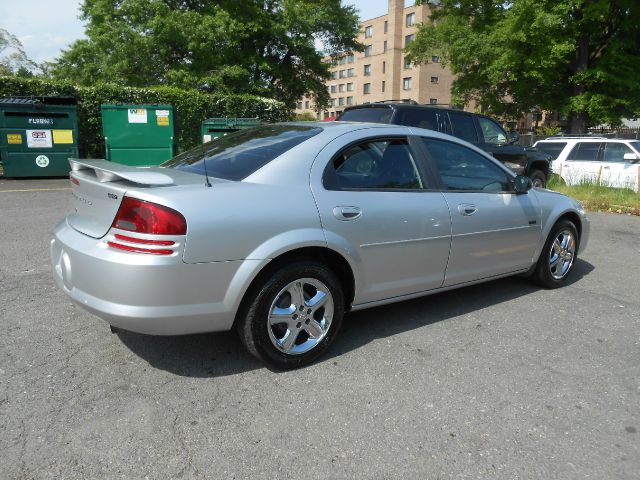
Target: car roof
(583, 139)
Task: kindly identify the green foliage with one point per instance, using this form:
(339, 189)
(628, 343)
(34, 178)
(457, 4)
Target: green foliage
(191, 107)
(578, 57)
(253, 46)
(13, 59)
(305, 117)
(598, 197)
(548, 130)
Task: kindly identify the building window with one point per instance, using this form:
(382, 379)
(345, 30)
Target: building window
(411, 20)
(349, 100)
(406, 83)
(350, 58)
(368, 50)
(407, 63)
(367, 70)
(366, 88)
(350, 87)
(341, 101)
(434, 79)
(333, 89)
(299, 105)
(408, 39)
(341, 74)
(384, 46)
(326, 114)
(433, 101)
(386, 26)
(334, 75)
(332, 102)
(368, 32)
(341, 88)
(383, 85)
(435, 58)
(306, 105)
(384, 67)
(351, 72)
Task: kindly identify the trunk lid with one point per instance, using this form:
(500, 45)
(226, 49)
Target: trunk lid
(98, 187)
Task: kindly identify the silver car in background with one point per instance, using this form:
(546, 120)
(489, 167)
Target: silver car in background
(278, 231)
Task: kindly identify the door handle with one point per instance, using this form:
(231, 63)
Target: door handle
(347, 213)
(467, 209)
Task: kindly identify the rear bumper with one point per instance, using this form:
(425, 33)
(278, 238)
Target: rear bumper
(144, 293)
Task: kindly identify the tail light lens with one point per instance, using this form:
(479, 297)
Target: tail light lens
(146, 217)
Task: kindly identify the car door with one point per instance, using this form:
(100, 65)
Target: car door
(376, 206)
(494, 230)
(615, 171)
(582, 163)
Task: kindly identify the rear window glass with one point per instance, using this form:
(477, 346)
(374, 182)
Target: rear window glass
(239, 154)
(551, 148)
(373, 115)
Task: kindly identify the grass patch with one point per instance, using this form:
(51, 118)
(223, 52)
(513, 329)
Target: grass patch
(599, 198)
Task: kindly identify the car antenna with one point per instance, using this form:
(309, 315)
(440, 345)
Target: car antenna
(207, 183)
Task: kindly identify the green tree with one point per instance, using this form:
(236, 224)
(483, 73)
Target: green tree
(264, 47)
(13, 59)
(578, 57)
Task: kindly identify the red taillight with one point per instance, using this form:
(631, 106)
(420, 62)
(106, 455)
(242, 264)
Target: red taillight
(128, 248)
(74, 180)
(145, 217)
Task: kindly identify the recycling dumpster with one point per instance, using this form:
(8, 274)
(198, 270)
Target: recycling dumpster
(37, 136)
(138, 135)
(219, 127)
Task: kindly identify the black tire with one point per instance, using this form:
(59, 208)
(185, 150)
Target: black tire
(545, 274)
(261, 338)
(538, 178)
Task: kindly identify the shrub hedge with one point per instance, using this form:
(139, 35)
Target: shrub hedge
(191, 107)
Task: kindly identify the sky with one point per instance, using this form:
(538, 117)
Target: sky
(46, 27)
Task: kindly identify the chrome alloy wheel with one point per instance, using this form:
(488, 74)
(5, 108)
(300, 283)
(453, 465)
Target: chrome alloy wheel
(300, 316)
(562, 253)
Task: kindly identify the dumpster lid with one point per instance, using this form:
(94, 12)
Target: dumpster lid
(42, 100)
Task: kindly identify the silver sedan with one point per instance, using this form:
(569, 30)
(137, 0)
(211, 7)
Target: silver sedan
(278, 231)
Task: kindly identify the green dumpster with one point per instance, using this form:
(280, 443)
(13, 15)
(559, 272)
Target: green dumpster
(37, 136)
(138, 135)
(218, 127)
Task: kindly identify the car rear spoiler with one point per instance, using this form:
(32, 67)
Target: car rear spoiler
(106, 171)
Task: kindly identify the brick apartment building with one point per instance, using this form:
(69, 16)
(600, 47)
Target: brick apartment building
(381, 72)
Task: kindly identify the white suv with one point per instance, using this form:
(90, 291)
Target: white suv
(609, 162)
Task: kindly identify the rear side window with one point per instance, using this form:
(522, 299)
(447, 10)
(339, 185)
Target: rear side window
(239, 154)
(585, 152)
(421, 118)
(551, 148)
(373, 115)
(463, 127)
(375, 165)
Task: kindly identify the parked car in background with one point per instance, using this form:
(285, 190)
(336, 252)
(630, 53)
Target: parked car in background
(600, 160)
(278, 230)
(480, 130)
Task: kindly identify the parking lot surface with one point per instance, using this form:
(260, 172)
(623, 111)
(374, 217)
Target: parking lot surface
(496, 381)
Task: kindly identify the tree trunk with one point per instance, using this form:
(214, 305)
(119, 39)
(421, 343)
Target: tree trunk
(578, 120)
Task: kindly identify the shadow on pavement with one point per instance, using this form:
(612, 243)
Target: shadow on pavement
(221, 354)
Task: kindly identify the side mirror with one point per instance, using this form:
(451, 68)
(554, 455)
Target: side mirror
(522, 184)
(514, 136)
(630, 157)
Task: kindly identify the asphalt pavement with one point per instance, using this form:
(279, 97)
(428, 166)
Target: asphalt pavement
(497, 381)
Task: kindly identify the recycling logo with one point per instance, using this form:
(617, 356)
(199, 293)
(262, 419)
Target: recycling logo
(42, 161)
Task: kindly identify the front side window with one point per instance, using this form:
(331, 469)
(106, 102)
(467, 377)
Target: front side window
(239, 154)
(375, 165)
(492, 132)
(585, 152)
(614, 152)
(462, 169)
(463, 127)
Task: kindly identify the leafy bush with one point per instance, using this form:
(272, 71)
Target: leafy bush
(191, 107)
